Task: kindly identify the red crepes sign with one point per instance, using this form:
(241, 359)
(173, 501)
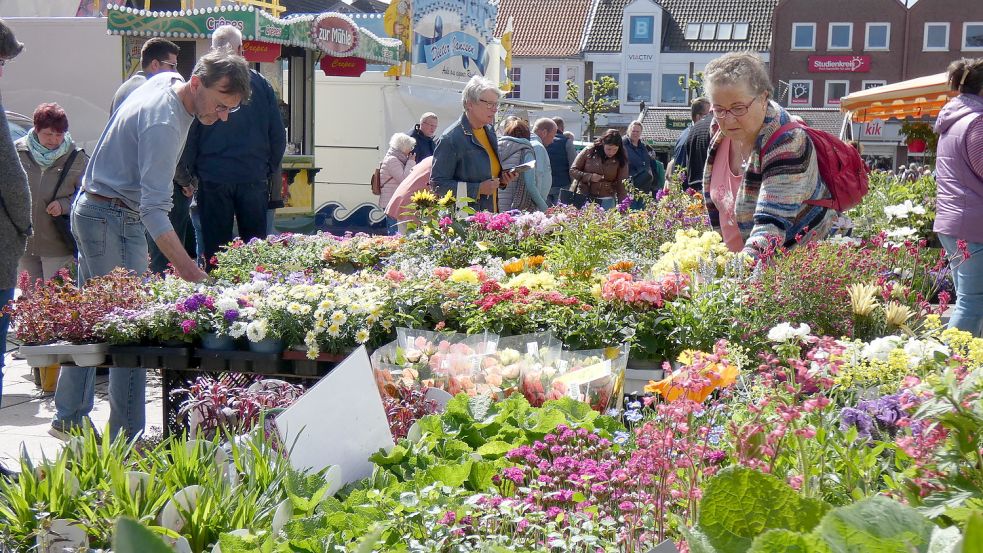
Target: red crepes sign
(839, 64)
(342, 67)
(260, 52)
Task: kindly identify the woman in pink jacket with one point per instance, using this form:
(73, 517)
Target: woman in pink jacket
(396, 166)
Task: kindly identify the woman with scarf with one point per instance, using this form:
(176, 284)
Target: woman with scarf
(54, 167)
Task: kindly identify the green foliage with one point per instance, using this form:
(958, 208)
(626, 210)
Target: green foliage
(130, 535)
(597, 99)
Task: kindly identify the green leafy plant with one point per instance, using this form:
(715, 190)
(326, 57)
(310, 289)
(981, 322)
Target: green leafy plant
(596, 99)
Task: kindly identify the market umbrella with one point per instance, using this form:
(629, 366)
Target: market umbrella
(917, 98)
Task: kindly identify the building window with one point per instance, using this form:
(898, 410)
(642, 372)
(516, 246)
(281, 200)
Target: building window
(613, 93)
(642, 29)
(878, 36)
(803, 36)
(709, 31)
(725, 31)
(741, 31)
(673, 92)
(692, 31)
(973, 36)
(936, 37)
(551, 90)
(840, 36)
(867, 85)
(639, 87)
(836, 90)
(515, 75)
(800, 93)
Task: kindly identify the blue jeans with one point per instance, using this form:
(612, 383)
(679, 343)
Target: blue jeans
(392, 225)
(6, 294)
(109, 236)
(608, 203)
(196, 225)
(967, 275)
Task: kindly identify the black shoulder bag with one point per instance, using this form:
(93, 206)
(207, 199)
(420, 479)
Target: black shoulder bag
(63, 222)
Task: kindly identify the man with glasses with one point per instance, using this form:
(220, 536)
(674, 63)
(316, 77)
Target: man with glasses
(237, 164)
(158, 55)
(126, 195)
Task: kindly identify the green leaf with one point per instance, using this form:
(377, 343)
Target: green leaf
(739, 504)
(393, 457)
(787, 541)
(973, 535)
(876, 525)
(482, 472)
(697, 541)
(575, 411)
(454, 475)
(130, 535)
(494, 450)
(945, 540)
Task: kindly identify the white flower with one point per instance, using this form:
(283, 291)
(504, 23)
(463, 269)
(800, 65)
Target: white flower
(919, 351)
(225, 303)
(294, 308)
(334, 330)
(256, 330)
(841, 240)
(786, 332)
(362, 336)
(238, 329)
(339, 317)
(900, 233)
(880, 348)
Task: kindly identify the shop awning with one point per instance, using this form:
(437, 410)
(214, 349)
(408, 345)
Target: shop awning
(921, 97)
(334, 34)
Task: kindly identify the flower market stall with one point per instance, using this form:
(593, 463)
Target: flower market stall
(795, 395)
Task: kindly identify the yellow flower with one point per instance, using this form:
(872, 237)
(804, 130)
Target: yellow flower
(863, 298)
(932, 322)
(362, 336)
(687, 356)
(334, 330)
(423, 198)
(513, 267)
(464, 275)
(447, 200)
(896, 314)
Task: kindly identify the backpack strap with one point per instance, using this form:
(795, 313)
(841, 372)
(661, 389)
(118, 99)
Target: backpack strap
(781, 130)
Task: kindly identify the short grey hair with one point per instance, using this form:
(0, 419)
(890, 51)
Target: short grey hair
(227, 36)
(544, 124)
(401, 141)
(10, 47)
(635, 123)
(221, 64)
(477, 86)
(738, 69)
(428, 115)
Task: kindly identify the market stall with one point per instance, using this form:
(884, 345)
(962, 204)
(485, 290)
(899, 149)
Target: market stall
(286, 51)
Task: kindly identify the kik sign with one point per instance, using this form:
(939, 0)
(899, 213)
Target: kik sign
(334, 35)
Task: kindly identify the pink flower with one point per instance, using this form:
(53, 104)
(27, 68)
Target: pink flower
(443, 273)
(188, 325)
(445, 222)
(395, 275)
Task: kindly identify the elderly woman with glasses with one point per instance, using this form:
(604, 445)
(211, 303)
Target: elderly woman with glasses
(468, 150)
(757, 199)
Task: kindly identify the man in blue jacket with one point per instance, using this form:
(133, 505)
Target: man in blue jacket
(236, 162)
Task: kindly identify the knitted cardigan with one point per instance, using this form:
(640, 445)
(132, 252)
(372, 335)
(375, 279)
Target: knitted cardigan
(15, 221)
(770, 204)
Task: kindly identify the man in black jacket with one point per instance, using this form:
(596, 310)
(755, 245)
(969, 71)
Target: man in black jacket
(424, 133)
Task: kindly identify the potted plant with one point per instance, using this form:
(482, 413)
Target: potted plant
(920, 136)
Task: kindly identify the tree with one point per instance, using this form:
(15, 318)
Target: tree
(598, 99)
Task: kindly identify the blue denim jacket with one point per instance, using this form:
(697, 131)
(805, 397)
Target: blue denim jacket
(460, 157)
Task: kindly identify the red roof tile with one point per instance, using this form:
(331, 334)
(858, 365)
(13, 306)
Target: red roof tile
(544, 28)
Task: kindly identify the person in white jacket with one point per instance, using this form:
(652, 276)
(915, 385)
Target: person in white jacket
(396, 166)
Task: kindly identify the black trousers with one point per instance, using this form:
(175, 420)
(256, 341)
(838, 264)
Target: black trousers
(180, 217)
(221, 204)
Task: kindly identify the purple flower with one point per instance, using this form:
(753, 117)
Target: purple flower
(194, 302)
(850, 416)
(231, 315)
(661, 193)
(449, 518)
(188, 325)
(514, 474)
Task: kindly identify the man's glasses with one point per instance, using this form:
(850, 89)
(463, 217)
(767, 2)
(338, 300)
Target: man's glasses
(739, 110)
(226, 109)
(169, 63)
(489, 104)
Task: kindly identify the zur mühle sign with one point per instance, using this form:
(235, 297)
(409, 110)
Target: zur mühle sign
(334, 35)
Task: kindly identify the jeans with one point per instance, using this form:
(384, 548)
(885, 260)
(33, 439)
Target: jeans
(554, 196)
(109, 236)
(220, 203)
(180, 217)
(270, 219)
(6, 294)
(967, 275)
(195, 217)
(607, 203)
(392, 226)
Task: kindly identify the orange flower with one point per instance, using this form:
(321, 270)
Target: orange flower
(720, 375)
(622, 266)
(513, 268)
(535, 261)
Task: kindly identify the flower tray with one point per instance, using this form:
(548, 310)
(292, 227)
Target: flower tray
(82, 355)
(172, 358)
(243, 362)
(319, 366)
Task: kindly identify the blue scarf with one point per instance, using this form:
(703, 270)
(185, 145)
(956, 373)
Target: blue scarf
(43, 156)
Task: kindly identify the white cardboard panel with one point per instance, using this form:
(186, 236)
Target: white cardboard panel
(340, 421)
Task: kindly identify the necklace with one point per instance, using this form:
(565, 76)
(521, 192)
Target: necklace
(745, 158)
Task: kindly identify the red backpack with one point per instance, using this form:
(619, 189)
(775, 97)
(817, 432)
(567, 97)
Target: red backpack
(840, 166)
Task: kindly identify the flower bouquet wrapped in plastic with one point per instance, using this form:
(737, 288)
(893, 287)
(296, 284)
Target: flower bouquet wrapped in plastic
(592, 376)
(501, 370)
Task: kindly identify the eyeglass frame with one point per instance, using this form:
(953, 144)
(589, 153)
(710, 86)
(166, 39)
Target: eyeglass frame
(721, 113)
(490, 104)
(171, 64)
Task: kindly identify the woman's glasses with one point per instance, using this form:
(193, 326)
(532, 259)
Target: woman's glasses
(739, 110)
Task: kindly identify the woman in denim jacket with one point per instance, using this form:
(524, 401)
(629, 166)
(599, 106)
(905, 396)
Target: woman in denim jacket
(468, 150)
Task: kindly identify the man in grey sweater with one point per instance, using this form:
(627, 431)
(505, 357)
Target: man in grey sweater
(15, 205)
(127, 196)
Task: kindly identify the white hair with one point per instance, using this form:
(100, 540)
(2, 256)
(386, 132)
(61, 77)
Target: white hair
(228, 37)
(402, 142)
(477, 86)
(428, 115)
(635, 123)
